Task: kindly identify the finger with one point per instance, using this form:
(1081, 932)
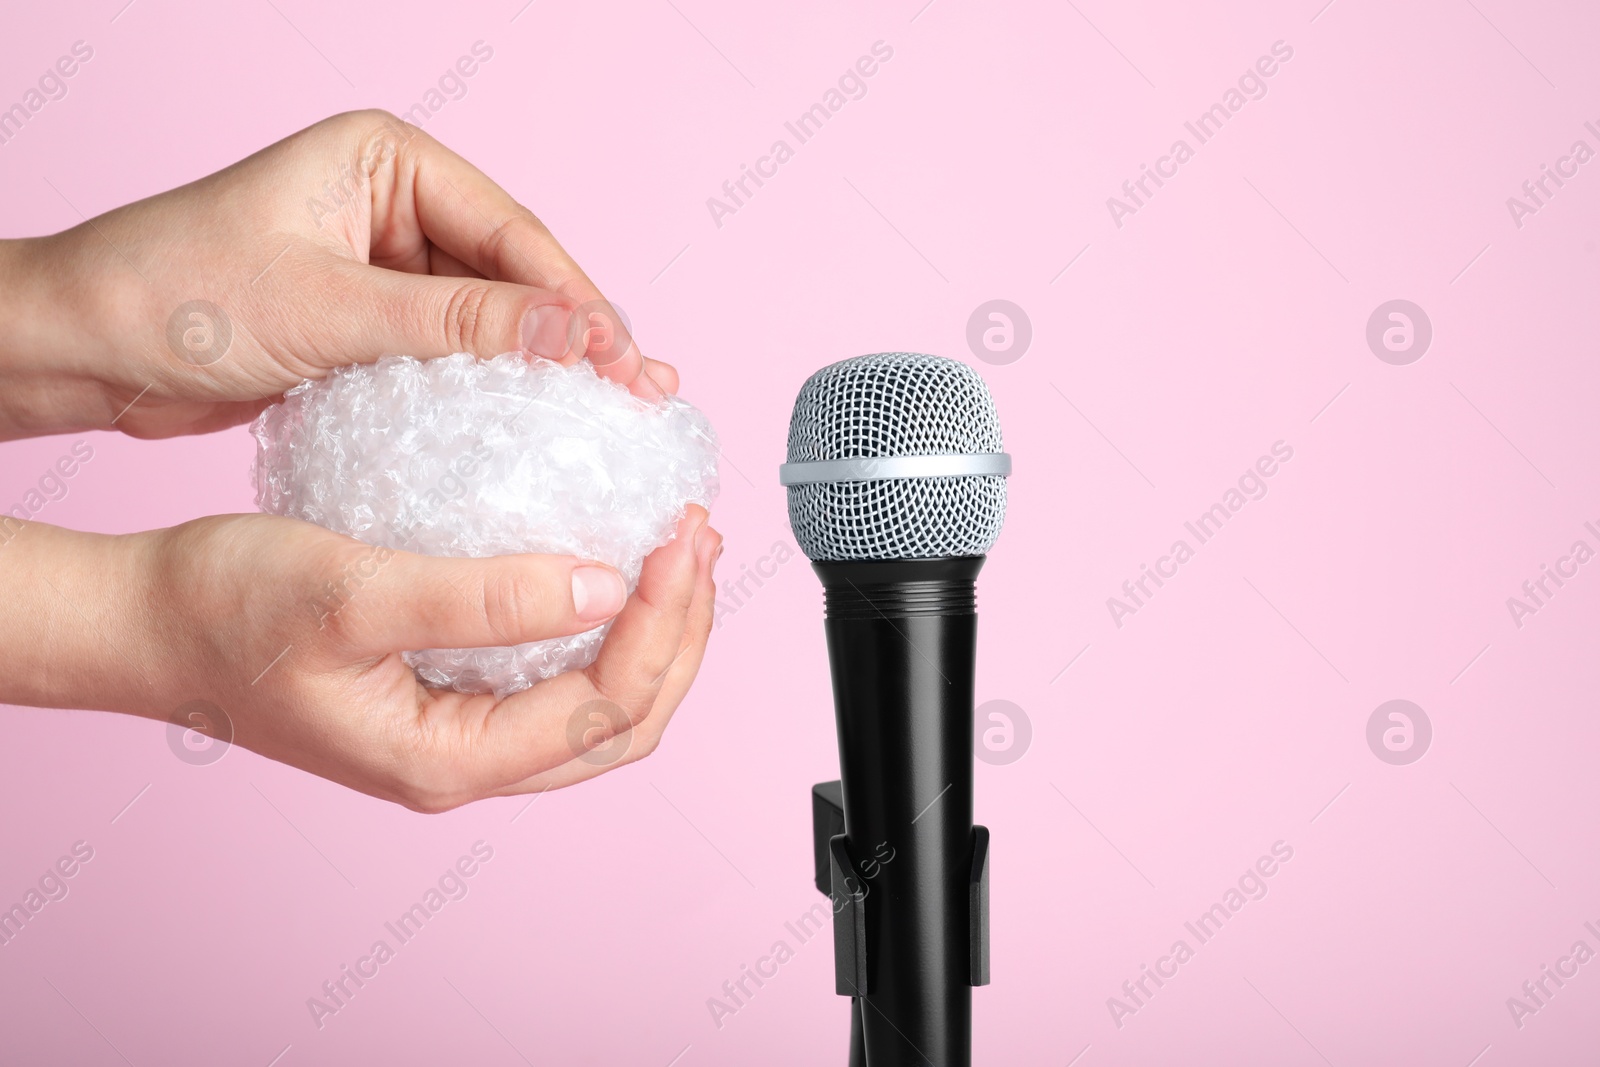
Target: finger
(648, 633)
(471, 218)
(600, 335)
(390, 601)
(373, 311)
(158, 420)
(606, 744)
(663, 376)
(562, 718)
(443, 265)
(692, 650)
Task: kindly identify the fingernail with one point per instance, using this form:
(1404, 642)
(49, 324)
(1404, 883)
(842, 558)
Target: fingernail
(699, 522)
(707, 546)
(544, 331)
(599, 333)
(597, 593)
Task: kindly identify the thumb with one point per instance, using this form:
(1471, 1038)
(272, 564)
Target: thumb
(423, 315)
(412, 602)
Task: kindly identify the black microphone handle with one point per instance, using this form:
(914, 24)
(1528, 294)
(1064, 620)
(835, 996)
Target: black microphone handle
(902, 643)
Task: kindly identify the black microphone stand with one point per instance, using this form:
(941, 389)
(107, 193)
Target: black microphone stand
(895, 846)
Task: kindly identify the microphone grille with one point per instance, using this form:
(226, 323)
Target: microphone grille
(888, 405)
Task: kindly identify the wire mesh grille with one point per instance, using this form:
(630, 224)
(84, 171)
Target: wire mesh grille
(895, 404)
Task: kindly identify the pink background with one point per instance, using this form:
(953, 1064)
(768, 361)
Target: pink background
(1227, 314)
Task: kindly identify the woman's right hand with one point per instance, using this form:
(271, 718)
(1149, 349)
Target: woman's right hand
(230, 615)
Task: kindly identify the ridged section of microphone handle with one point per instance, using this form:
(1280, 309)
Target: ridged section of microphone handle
(899, 588)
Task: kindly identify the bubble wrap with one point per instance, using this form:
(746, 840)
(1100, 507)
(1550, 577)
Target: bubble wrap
(465, 457)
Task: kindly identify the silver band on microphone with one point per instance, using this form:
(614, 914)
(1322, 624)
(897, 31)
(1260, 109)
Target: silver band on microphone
(870, 468)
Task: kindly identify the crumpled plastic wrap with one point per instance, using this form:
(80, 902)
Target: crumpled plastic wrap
(464, 457)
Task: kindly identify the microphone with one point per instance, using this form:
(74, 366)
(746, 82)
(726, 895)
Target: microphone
(897, 490)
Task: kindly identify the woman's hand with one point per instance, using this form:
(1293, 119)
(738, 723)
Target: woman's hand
(233, 615)
(190, 311)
